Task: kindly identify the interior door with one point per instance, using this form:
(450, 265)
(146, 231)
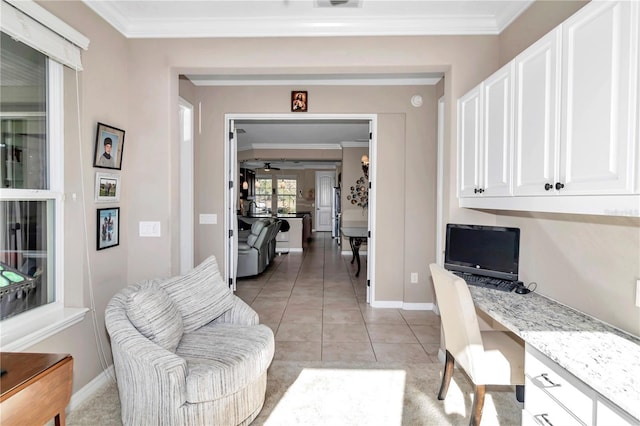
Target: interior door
(325, 181)
(231, 226)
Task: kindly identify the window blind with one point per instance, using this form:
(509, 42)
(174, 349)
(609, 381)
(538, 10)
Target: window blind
(36, 27)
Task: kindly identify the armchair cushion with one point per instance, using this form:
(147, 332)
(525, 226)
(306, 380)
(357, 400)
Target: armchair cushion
(156, 317)
(219, 370)
(201, 295)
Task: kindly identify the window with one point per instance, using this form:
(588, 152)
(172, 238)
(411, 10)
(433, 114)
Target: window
(286, 195)
(264, 194)
(30, 175)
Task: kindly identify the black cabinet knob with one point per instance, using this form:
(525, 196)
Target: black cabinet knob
(547, 186)
(480, 190)
(559, 186)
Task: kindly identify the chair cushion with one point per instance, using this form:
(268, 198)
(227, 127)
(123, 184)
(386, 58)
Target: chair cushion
(224, 358)
(257, 226)
(201, 295)
(156, 317)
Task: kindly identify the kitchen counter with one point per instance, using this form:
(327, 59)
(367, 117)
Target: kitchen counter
(603, 357)
(280, 215)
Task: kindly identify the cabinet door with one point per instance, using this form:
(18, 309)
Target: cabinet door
(599, 95)
(537, 95)
(497, 136)
(469, 142)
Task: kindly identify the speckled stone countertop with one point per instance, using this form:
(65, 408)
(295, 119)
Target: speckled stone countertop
(601, 356)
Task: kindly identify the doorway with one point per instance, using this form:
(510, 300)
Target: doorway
(325, 182)
(234, 124)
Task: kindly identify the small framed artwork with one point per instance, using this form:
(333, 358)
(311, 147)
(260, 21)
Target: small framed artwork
(108, 228)
(109, 147)
(107, 187)
(299, 101)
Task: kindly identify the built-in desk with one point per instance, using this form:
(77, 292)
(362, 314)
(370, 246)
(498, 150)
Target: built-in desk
(604, 358)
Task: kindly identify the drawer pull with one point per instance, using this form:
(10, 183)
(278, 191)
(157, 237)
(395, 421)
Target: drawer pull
(544, 417)
(548, 380)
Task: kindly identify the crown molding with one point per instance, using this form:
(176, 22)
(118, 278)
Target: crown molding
(303, 26)
(353, 144)
(261, 146)
(249, 80)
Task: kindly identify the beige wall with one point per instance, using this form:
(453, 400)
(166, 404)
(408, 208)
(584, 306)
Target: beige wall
(415, 136)
(133, 84)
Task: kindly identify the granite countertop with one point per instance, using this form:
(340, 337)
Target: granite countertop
(601, 356)
(280, 215)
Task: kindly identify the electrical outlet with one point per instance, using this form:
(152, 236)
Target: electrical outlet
(414, 278)
(638, 293)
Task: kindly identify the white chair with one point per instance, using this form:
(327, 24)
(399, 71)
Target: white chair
(487, 357)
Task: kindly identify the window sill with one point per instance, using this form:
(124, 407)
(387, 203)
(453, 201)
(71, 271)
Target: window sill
(27, 329)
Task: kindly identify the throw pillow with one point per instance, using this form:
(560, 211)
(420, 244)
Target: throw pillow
(201, 295)
(156, 317)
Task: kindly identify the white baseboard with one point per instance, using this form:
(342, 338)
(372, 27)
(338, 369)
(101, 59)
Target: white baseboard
(90, 388)
(386, 304)
(402, 305)
(418, 306)
(350, 253)
(289, 250)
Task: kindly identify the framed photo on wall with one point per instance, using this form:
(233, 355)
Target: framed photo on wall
(109, 147)
(108, 228)
(299, 101)
(107, 187)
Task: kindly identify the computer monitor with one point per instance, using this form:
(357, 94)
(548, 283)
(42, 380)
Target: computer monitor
(491, 251)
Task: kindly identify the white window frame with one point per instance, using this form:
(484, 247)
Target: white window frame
(30, 327)
(277, 195)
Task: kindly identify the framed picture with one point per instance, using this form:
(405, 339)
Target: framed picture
(107, 187)
(299, 101)
(108, 228)
(109, 147)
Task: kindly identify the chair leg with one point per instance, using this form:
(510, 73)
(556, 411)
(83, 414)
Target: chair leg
(520, 393)
(478, 405)
(446, 376)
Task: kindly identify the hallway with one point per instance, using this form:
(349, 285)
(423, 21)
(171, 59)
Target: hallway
(317, 310)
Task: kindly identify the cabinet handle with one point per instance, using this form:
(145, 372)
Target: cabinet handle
(547, 186)
(546, 378)
(559, 186)
(481, 190)
(544, 417)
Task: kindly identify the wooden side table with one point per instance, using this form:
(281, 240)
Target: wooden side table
(35, 388)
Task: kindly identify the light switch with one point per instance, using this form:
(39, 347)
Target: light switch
(149, 229)
(208, 219)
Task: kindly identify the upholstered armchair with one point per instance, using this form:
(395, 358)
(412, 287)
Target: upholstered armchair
(258, 250)
(187, 351)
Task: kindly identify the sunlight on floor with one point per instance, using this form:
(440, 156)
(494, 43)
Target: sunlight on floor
(457, 400)
(342, 396)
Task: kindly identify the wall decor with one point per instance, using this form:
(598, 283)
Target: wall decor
(299, 101)
(107, 187)
(109, 147)
(108, 228)
(360, 193)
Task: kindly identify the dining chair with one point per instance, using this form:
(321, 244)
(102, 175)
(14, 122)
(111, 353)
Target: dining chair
(487, 357)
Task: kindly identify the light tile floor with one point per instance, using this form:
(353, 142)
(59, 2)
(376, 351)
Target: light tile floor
(317, 310)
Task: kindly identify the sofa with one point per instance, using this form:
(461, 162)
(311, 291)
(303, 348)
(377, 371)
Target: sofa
(187, 351)
(257, 249)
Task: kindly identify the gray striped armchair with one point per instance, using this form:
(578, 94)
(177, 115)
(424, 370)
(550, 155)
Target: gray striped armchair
(187, 351)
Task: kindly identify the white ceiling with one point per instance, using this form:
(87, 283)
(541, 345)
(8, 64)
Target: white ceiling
(283, 18)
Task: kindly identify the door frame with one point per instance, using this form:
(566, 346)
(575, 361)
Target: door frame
(230, 144)
(186, 188)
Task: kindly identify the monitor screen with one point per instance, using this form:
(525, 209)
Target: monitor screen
(491, 251)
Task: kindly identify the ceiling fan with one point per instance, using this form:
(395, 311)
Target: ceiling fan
(267, 167)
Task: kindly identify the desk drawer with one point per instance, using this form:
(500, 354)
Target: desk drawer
(548, 377)
(543, 410)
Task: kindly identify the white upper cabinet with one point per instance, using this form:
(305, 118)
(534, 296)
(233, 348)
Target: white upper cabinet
(556, 130)
(485, 135)
(497, 132)
(469, 143)
(537, 105)
(599, 98)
